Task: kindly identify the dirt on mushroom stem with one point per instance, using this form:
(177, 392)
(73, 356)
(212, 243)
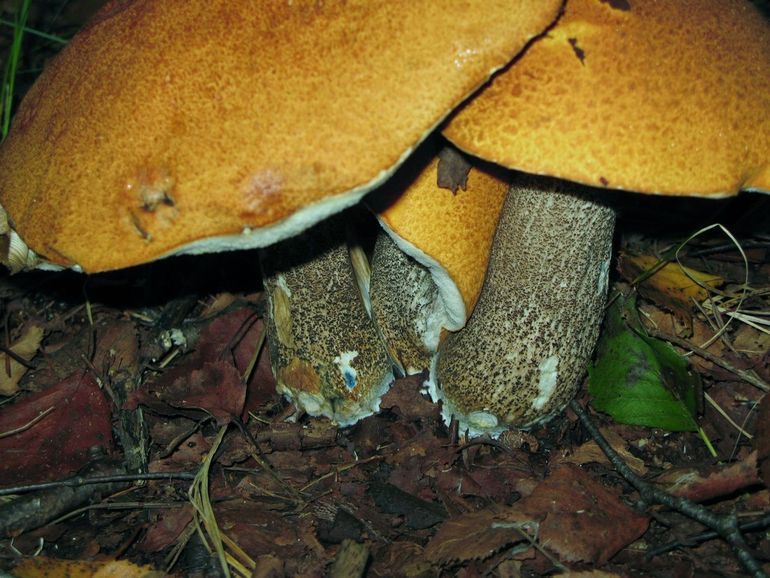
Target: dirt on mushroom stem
(527, 344)
(325, 351)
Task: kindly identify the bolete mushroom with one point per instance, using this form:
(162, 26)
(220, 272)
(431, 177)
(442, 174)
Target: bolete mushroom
(429, 284)
(667, 98)
(166, 127)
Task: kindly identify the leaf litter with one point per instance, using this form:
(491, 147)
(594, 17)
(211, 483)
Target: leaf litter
(285, 497)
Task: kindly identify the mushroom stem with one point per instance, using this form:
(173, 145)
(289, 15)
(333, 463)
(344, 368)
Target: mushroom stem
(521, 356)
(324, 348)
(406, 306)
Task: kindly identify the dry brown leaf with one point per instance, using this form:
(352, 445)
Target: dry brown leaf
(400, 559)
(117, 350)
(478, 535)
(673, 287)
(751, 341)
(48, 435)
(584, 521)
(11, 371)
(673, 280)
(720, 481)
(590, 452)
(453, 169)
(166, 528)
(694, 330)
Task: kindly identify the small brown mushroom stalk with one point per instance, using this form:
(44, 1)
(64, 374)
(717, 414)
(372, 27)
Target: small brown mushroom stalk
(520, 358)
(324, 348)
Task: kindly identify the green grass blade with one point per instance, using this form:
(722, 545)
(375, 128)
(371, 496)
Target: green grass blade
(11, 66)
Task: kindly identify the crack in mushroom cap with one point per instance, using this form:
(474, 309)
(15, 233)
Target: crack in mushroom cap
(650, 96)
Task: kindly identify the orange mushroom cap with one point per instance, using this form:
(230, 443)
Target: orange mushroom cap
(655, 96)
(171, 126)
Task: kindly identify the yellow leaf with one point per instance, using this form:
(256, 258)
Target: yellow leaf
(42, 567)
(676, 281)
(11, 371)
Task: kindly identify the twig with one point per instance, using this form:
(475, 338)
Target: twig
(747, 376)
(84, 480)
(266, 467)
(338, 470)
(725, 526)
(27, 425)
(689, 541)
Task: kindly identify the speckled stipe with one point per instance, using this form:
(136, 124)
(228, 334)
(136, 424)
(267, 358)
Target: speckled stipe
(521, 356)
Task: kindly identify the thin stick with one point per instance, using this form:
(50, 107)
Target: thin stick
(747, 376)
(27, 425)
(726, 526)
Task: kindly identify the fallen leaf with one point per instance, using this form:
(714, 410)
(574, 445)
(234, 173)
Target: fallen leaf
(640, 380)
(57, 445)
(401, 558)
(718, 482)
(419, 513)
(698, 333)
(673, 286)
(584, 520)
(41, 567)
(166, 528)
(117, 350)
(215, 388)
(260, 532)
(186, 456)
(478, 535)
(453, 169)
(590, 452)
(11, 371)
(751, 341)
(210, 380)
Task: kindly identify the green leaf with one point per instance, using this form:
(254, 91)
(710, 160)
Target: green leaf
(639, 380)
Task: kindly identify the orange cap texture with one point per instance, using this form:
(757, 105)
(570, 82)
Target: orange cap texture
(165, 122)
(655, 96)
(455, 229)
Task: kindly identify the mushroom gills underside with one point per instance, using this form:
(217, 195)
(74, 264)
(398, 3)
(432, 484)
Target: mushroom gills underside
(14, 253)
(325, 351)
(406, 306)
(520, 358)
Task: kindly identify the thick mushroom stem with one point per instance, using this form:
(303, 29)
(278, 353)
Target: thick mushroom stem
(526, 346)
(406, 306)
(324, 348)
